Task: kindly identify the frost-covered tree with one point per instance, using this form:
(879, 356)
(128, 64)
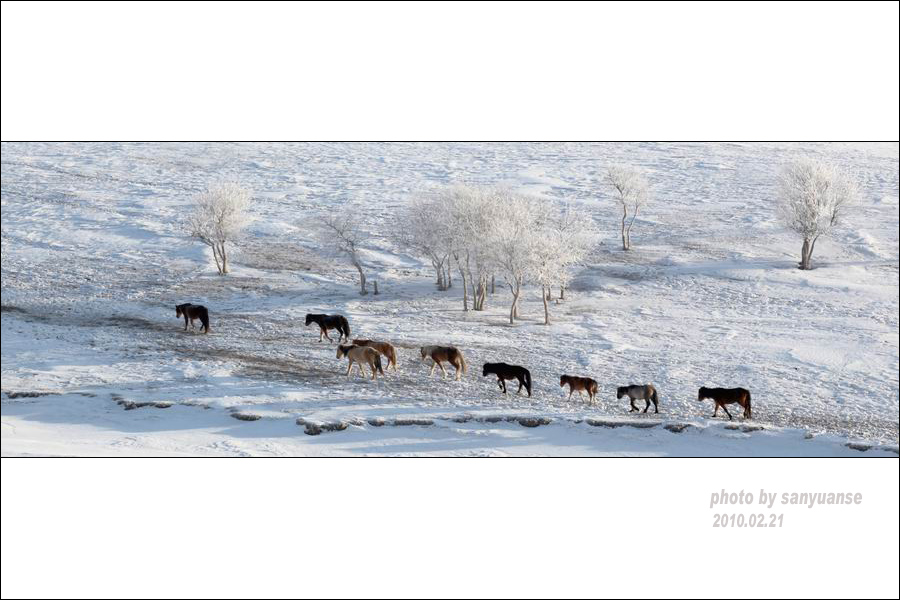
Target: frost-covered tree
(515, 240)
(563, 239)
(423, 229)
(471, 217)
(812, 198)
(218, 216)
(342, 231)
(631, 192)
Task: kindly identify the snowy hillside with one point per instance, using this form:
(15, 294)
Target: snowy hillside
(95, 258)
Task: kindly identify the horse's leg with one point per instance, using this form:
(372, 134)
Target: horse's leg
(372, 366)
(647, 400)
(433, 365)
(656, 407)
(185, 321)
(321, 330)
(325, 331)
(570, 393)
(716, 412)
(362, 372)
(633, 407)
(725, 408)
(443, 370)
(521, 382)
(349, 366)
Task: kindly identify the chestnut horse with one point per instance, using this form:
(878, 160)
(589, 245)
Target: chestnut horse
(579, 384)
(442, 354)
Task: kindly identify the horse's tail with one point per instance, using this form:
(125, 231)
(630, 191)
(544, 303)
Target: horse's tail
(378, 364)
(345, 324)
(462, 361)
(749, 410)
(392, 360)
(204, 319)
(654, 396)
(528, 381)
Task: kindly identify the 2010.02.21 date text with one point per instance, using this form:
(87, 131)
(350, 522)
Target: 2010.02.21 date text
(752, 520)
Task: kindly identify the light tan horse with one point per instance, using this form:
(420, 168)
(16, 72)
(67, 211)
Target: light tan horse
(647, 393)
(389, 352)
(442, 354)
(360, 355)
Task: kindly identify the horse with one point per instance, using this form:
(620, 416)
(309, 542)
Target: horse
(360, 355)
(639, 392)
(326, 322)
(441, 354)
(579, 384)
(723, 396)
(192, 312)
(504, 371)
(384, 348)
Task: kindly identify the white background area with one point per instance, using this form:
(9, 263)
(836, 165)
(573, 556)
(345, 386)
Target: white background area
(443, 527)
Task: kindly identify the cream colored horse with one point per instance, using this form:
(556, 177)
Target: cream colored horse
(360, 355)
(386, 349)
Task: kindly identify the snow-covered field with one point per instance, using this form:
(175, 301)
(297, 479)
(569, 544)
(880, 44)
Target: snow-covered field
(94, 260)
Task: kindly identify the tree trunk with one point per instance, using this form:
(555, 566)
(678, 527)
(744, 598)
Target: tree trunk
(630, 225)
(512, 308)
(493, 289)
(546, 305)
(439, 271)
(448, 279)
(465, 290)
(482, 292)
(216, 257)
(375, 285)
(562, 292)
(624, 235)
(362, 278)
(225, 269)
(806, 253)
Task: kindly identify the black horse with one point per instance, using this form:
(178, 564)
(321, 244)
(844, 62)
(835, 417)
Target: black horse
(326, 322)
(192, 312)
(504, 371)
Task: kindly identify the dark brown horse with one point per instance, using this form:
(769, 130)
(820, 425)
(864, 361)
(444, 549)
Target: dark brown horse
(579, 384)
(723, 396)
(504, 371)
(191, 312)
(326, 322)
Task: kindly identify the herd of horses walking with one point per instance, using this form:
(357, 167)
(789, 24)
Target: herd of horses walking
(369, 353)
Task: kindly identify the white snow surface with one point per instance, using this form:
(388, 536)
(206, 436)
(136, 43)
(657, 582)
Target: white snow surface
(94, 260)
